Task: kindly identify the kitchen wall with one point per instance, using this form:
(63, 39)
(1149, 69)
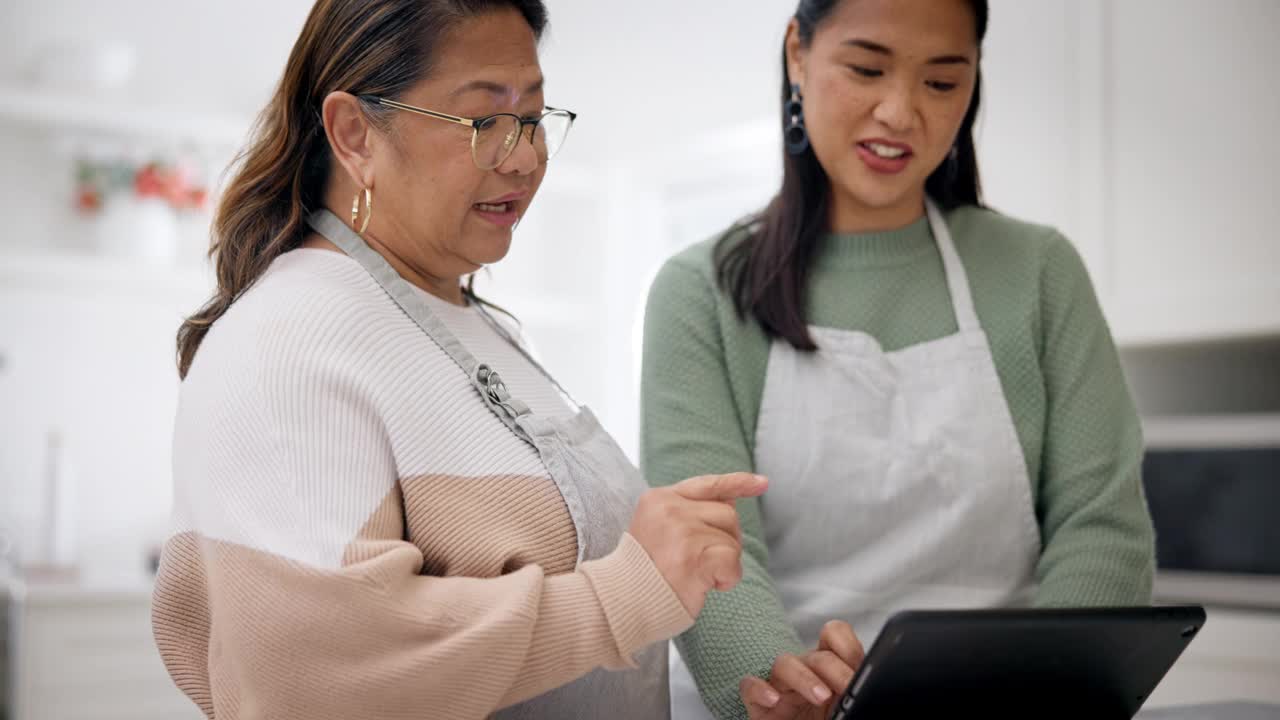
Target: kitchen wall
(1144, 129)
(676, 140)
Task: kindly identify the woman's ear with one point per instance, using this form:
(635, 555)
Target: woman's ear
(796, 54)
(350, 136)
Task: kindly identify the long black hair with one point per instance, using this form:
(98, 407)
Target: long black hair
(762, 263)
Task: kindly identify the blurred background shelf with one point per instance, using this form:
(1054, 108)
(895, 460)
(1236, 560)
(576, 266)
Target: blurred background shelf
(1237, 307)
(44, 109)
(85, 273)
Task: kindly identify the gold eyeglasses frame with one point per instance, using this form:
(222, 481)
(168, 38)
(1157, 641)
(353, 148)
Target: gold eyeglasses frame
(477, 124)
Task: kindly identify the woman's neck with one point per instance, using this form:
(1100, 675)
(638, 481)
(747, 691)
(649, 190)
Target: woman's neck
(848, 216)
(447, 289)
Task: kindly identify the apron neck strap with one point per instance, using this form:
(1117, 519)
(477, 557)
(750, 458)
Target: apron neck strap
(957, 279)
(412, 304)
(505, 334)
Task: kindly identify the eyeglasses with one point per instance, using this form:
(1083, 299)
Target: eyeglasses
(495, 137)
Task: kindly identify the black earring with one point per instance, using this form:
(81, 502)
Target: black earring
(795, 134)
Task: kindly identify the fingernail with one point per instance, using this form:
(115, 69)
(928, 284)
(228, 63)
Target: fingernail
(771, 698)
(822, 693)
(762, 479)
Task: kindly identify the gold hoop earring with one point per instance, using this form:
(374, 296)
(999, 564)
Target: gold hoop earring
(368, 211)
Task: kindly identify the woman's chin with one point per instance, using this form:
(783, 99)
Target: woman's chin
(879, 194)
(487, 251)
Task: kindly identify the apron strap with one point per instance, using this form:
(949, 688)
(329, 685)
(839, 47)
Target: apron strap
(506, 334)
(486, 381)
(957, 279)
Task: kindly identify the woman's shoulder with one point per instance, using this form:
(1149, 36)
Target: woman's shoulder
(985, 236)
(308, 303)
(1007, 257)
(986, 225)
(688, 299)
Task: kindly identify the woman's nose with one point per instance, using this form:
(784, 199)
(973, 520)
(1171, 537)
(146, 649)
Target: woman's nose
(524, 158)
(896, 109)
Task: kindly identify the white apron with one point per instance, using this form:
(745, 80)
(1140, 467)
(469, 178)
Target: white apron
(896, 479)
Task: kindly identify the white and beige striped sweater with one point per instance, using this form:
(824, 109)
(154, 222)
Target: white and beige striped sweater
(357, 535)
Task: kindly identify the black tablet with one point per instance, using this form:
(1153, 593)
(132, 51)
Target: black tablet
(1088, 663)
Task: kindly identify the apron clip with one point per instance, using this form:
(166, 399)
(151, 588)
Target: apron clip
(490, 383)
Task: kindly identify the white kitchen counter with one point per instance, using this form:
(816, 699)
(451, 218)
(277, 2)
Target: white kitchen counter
(1221, 711)
(83, 653)
(1234, 658)
(88, 653)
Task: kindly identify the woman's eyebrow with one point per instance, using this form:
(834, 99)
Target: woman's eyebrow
(876, 47)
(496, 88)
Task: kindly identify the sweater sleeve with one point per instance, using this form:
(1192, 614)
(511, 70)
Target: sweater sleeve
(1099, 544)
(289, 590)
(690, 426)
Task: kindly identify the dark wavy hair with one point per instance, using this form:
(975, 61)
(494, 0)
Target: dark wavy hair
(373, 47)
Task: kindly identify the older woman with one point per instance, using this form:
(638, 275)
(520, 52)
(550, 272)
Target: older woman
(384, 508)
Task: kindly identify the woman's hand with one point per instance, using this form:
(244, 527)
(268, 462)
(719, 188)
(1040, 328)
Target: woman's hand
(806, 687)
(691, 532)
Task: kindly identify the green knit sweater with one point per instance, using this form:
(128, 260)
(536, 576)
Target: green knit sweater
(704, 373)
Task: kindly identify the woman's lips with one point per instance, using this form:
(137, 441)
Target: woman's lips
(884, 156)
(500, 214)
(502, 211)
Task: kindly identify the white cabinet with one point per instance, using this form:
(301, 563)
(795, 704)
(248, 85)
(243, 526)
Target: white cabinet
(1194, 110)
(87, 347)
(1146, 131)
(1036, 135)
(86, 655)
